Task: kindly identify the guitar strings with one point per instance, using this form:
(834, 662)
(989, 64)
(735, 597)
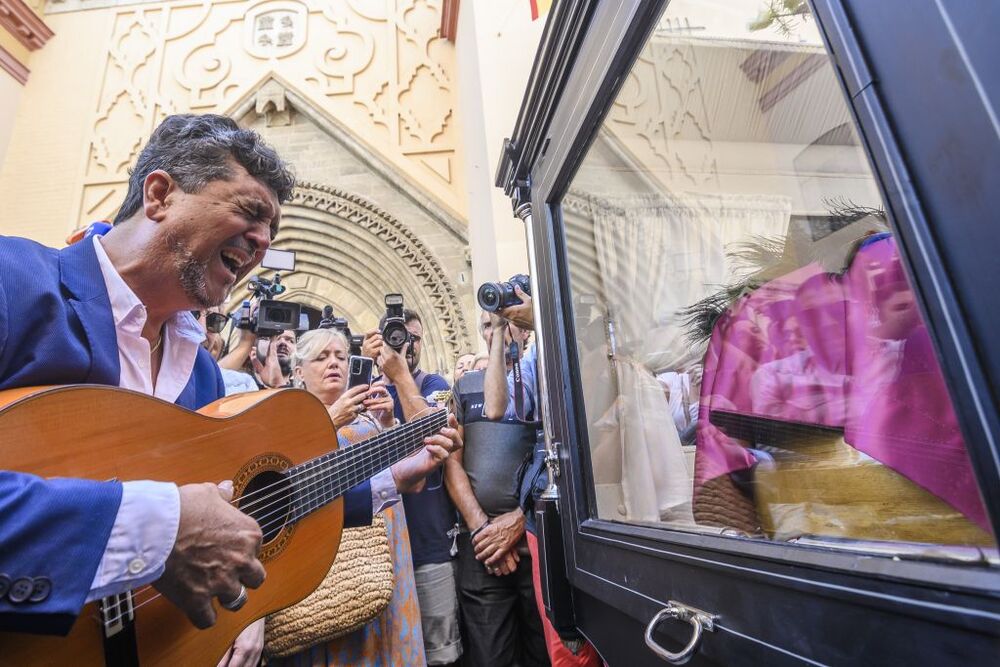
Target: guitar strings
(311, 486)
(421, 429)
(383, 460)
(387, 436)
(335, 457)
(420, 419)
(136, 604)
(307, 482)
(135, 607)
(381, 438)
(335, 454)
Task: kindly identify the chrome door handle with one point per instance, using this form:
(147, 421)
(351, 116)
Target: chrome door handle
(698, 619)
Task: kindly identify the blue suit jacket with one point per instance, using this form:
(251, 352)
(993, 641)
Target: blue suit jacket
(56, 327)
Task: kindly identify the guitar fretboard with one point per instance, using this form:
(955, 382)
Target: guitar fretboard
(319, 481)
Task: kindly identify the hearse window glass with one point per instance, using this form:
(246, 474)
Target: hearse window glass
(752, 357)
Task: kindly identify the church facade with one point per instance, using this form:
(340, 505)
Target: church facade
(360, 96)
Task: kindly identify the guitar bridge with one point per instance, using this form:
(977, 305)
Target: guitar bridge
(117, 612)
(118, 618)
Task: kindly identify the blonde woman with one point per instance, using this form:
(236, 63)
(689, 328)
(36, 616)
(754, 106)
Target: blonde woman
(320, 366)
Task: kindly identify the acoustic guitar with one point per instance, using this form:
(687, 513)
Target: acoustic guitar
(274, 445)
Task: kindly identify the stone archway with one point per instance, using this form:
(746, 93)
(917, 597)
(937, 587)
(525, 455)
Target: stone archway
(350, 253)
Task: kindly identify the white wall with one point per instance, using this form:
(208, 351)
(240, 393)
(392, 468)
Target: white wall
(496, 47)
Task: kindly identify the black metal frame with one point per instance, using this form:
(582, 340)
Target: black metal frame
(922, 609)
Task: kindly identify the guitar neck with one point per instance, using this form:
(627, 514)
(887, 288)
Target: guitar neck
(319, 481)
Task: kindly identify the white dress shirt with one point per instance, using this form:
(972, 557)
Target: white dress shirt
(237, 382)
(146, 525)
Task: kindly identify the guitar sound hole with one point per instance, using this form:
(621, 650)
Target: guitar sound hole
(268, 499)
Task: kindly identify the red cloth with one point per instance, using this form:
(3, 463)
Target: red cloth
(559, 655)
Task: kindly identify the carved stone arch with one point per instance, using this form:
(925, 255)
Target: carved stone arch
(350, 253)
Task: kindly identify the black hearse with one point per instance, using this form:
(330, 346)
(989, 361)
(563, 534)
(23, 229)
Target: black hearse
(763, 237)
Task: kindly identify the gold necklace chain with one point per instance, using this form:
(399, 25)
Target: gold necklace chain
(156, 347)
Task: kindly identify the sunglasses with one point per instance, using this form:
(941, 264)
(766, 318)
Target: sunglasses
(214, 322)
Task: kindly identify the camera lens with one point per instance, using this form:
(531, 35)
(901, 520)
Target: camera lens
(489, 297)
(395, 336)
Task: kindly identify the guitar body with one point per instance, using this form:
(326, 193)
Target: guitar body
(103, 433)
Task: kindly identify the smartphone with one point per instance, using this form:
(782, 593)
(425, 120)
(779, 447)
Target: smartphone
(359, 370)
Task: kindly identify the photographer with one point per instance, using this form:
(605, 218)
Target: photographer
(501, 401)
(494, 568)
(273, 370)
(500, 383)
(430, 515)
(427, 384)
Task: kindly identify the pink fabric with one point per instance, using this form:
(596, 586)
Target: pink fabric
(848, 352)
(899, 410)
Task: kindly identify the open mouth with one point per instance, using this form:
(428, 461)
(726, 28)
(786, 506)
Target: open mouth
(233, 260)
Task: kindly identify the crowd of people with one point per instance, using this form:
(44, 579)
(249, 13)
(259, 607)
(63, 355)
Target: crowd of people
(140, 307)
(463, 545)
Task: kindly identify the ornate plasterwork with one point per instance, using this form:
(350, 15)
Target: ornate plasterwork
(350, 253)
(377, 66)
(660, 115)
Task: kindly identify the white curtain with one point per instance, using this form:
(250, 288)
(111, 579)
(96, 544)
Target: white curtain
(655, 255)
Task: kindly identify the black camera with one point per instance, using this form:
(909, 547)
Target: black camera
(494, 297)
(340, 324)
(272, 316)
(394, 331)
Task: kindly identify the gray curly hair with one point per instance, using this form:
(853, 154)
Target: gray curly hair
(196, 150)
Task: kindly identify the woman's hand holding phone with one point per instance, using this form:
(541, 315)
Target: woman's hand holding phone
(380, 404)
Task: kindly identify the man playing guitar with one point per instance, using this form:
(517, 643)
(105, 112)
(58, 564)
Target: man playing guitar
(202, 207)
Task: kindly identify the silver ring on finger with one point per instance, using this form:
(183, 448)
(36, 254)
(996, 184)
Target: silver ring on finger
(236, 603)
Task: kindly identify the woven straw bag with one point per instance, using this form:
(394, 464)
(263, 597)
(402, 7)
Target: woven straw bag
(356, 589)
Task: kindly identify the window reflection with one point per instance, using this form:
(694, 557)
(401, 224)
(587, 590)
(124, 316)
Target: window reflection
(753, 358)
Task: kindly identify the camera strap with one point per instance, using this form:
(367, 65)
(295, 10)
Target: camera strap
(515, 360)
